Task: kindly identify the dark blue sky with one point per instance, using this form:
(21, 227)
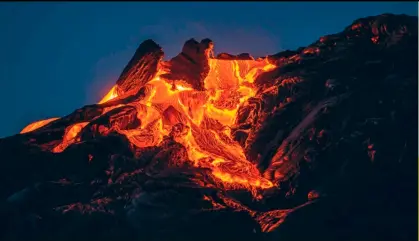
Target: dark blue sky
(56, 57)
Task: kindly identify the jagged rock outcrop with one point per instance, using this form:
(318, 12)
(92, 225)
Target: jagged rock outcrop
(142, 67)
(332, 128)
(242, 56)
(191, 65)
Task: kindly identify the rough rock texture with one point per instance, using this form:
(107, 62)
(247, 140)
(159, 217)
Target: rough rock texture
(191, 65)
(141, 68)
(243, 56)
(334, 126)
(121, 118)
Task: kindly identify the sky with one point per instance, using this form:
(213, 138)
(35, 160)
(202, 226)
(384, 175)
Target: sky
(56, 57)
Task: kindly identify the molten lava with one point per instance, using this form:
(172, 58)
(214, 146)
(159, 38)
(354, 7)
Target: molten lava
(199, 120)
(36, 125)
(70, 136)
(257, 150)
(109, 96)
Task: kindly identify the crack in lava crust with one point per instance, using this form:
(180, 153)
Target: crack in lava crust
(199, 120)
(208, 146)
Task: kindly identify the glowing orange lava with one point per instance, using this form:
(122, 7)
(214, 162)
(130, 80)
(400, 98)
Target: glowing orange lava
(200, 120)
(36, 125)
(109, 96)
(207, 115)
(70, 136)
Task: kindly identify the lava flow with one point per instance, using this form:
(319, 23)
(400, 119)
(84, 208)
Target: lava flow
(198, 119)
(203, 146)
(36, 125)
(202, 118)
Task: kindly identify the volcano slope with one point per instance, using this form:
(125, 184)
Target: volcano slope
(316, 143)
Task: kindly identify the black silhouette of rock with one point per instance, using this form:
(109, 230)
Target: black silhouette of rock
(334, 126)
(141, 68)
(242, 56)
(191, 65)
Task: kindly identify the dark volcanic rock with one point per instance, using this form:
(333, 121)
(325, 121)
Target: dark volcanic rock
(340, 106)
(121, 118)
(334, 126)
(280, 57)
(243, 56)
(141, 68)
(191, 65)
(172, 154)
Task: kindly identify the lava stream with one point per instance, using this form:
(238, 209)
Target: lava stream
(36, 125)
(205, 116)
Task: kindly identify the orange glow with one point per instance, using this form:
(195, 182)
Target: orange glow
(375, 39)
(109, 96)
(311, 51)
(36, 125)
(199, 120)
(70, 136)
(206, 117)
(356, 26)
